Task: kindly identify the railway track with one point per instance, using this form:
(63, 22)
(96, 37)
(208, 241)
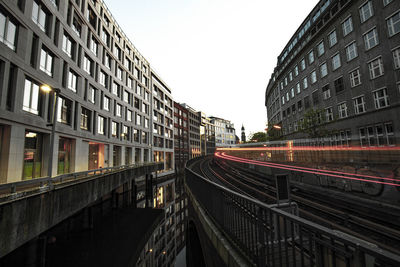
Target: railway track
(325, 210)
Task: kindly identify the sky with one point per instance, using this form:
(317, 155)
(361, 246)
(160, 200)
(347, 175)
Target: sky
(217, 56)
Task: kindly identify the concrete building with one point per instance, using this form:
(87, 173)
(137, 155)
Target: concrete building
(207, 135)
(343, 62)
(194, 132)
(224, 132)
(181, 136)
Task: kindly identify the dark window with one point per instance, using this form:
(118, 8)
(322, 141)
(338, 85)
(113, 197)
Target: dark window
(307, 102)
(299, 105)
(315, 98)
(339, 85)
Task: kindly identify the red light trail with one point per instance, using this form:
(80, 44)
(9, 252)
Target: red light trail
(337, 174)
(313, 148)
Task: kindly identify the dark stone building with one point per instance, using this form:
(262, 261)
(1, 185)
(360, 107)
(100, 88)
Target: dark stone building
(343, 62)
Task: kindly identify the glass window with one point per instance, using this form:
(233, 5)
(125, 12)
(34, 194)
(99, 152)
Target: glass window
(396, 58)
(126, 96)
(118, 109)
(386, 2)
(305, 83)
(313, 77)
(106, 103)
(7, 31)
(292, 92)
(114, 129)
(31, 97)
(359, 105)
(355, 78)
(311, 57)
(32, 155)
(86, 64)
(393, 24)
(329, 114)
(115, 89)
(46, 62)
(92, 94)
(375, 68)
(371, 39)
(102, 78)
(67, 45)
(342, 109)
(93, 45)
(347, 26)
(72, 81)
(323, 70)
(129, 115)
(298, 88)
(296, 70)
(381, 98)
(366, 11)
(326, 92)
(100, 124)
(332, 38)
(336, 61)
(64, 110)
(77, 26)
(39, 16)
(303, 64)
(321, 49)
(85, 119)
(339, 85)
(351, 51)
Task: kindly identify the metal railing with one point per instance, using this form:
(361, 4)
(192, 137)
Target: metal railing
(269, 236)
(18, 189)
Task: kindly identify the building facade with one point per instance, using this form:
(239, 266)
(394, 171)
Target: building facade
(344, 63)
(194, 132)
(207, 135)
(224, 132)
(181, 136)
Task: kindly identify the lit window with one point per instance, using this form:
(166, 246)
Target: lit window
(359, 105)
(371, 39)
(393, 24)
(323, 70)
(336, 61)
(326, 92)
(321, 49)
(72, 81)
(85, 118)
(31, 97)
(342, 108)
(39, 16)
(396, 58)
(366, 11)
(375, 68)
(138, 119)
(313, 77)
(67, 45)
(347, 26)
(381, 98)
(100, 124)
(129, 115)
(64, 110)
(106, 103)
(355, 78)
(46, 62)
(114, 129)
(332, 38)
(351, 51)
(7, 31)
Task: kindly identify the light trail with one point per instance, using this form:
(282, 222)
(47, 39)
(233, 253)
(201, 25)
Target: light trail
(312, 171)
(312, 148)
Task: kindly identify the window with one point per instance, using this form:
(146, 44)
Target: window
(311, 57)
(299, 105)
(67, 45)
(117, 52)
(72, 81)
(387, 2)
(91, 17)
(114, 129)
(100, 124)
(393, 24)
(347, 26)
(102, 78)
(329, 114)
(332, 38)
(119, 73)
(396, 58)
(305, 83)
(355, 78)
(105, 37)
(85, 119)
(146, 123)
(138, 119)
(106, 103)
(290, 76)
(339, 85)
(323, 70)
(129, 115)
(375, 68)
(292, 92)
(313, 77)
(125, 132)
(46, 62)
(77, 26)
(93, 45)
(64, 110)
(381, 98)
(366, 11)
(359, 105)
(39, 16)
(336, 61)
(326, 92)
(115, 89)
(296, 70)
(118, 109)
(389, 133)
(371, 39)
(298, 88)
(351, 51)
(92, 94)
(321, 49)
(315, 97)
(129, 82)
(86, 64)
(363, 138)
(286, 82)
(303, 64)
(342, 109)
(31, 97)
(283, 100)
(126, 96)
(287, 96)
(7, 31)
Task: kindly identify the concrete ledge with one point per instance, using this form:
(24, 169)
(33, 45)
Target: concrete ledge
(24, 218)
(225, 250)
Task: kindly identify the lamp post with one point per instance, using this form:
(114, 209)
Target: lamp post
(56, 91)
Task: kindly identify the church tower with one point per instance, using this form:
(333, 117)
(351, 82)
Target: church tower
(243, 135)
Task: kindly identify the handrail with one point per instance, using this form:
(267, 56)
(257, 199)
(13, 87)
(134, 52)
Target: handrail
(261, 230)
(11, 188)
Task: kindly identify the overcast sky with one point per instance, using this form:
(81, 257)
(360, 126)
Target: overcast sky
(215, 55)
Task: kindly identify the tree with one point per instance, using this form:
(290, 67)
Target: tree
(312, 124)
(274, 132)
(258, 137)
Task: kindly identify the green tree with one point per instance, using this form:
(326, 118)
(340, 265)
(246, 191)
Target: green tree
(274, 132)
(313, 122)
(258, 137)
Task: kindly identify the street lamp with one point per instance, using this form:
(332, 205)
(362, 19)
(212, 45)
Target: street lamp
(277, 127)
(56, 91)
